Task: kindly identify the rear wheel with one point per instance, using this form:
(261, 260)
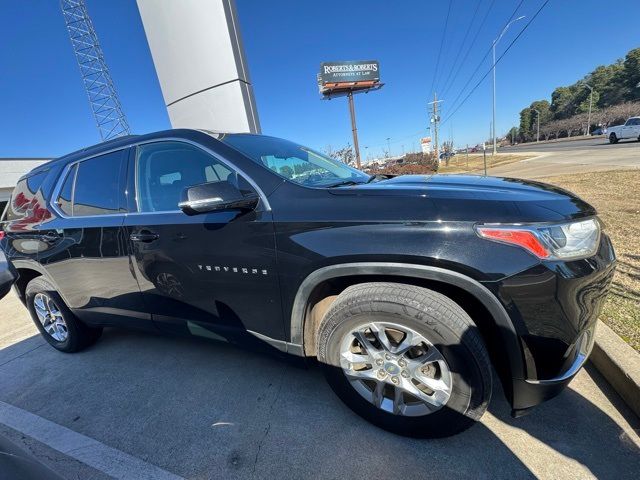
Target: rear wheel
(57, 324)
(613, 138)
(406, 358)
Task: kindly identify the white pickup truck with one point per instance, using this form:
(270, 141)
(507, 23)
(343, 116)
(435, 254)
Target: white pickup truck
(631, 129)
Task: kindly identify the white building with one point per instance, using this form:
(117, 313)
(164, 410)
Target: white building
(11, 169)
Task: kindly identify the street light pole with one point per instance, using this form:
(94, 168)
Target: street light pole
(388, 146)
(538, 129)
(590, 101)
(495, 42)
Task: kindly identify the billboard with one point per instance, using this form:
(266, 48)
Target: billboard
(349, 72)
(425, 143)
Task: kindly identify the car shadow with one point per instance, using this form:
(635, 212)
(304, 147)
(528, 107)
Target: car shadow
(208, 409)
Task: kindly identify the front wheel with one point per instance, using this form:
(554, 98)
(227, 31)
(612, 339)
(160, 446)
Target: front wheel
(613, 138)
(408, 359)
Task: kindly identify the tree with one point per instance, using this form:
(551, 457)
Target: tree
(512, 135)
(563, 102)
(632, 74)
(286, 171)
(614, 84)
(525, 124)
(583, 107)
(345, 154)
(607, 80)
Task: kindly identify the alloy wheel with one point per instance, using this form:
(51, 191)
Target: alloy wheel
(396, 369)
(50, 317)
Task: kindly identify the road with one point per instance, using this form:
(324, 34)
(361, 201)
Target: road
(566, 157)
(148, 406)
(601, 142)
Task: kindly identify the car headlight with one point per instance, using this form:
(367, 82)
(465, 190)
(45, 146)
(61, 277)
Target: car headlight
(561, 241)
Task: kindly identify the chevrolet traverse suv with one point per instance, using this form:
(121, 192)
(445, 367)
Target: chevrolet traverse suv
(410, 291)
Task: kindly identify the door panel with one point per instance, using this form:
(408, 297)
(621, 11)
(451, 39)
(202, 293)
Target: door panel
(211, 274)
(86, 250)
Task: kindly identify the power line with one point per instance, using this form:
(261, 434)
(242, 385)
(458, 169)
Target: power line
(473, 42)
(464, 39)
(444, 34)
(497, 61)
(483, 59)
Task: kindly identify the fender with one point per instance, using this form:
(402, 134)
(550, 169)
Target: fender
(33, 265)
(475, 288)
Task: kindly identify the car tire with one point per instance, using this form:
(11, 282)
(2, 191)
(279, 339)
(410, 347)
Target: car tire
(613, 138)
(56, 323)
(449, 365)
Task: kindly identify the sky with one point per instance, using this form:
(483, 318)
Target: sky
(45, 112)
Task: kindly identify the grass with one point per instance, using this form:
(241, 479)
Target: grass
(616, 196)
(475, 162)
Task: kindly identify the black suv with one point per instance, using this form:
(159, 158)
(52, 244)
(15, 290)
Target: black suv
(408, 290)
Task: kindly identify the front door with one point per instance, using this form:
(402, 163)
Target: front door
(634, 129)
(212, 274)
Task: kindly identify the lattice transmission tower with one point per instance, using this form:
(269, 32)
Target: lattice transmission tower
(103, 97)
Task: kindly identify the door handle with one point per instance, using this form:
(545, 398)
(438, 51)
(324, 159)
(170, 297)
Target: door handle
(145, 236)
(50, 237)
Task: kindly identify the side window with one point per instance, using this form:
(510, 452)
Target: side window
(97, 189)
(65, 198)
(164, 169)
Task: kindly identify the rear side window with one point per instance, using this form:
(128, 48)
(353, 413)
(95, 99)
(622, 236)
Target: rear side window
(66, 193)
(94, 186)
(26, 197)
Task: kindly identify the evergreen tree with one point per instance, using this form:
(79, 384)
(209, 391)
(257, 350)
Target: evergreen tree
(632, 74)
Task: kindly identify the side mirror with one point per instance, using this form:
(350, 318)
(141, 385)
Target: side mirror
(215, 196)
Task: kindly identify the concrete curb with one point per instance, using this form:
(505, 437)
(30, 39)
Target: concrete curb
(619, 364)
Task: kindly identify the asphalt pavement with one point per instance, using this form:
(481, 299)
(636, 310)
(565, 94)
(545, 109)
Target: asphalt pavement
(564, 144)
(567, 157)
(149, 406)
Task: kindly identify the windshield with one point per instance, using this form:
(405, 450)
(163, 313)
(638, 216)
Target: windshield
(294, 162)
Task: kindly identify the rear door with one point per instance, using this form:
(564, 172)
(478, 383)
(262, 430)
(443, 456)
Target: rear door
(86, 253)
(629, 128)
(211, 274)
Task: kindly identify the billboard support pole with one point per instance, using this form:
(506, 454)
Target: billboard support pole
(354, 129)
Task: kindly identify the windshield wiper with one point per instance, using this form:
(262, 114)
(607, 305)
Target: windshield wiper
(344, 183)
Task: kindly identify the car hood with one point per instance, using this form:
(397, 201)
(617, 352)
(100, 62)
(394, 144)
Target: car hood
(520, 200)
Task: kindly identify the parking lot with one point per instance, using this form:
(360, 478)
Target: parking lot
(148, 406)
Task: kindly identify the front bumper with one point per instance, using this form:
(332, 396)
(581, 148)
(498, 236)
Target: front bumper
(554, 308)
(528, 393)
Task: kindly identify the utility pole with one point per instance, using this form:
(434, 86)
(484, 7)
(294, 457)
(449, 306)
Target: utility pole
(493, 48)
(467, 151)
(354, 129)
(435, 119)
(388, 146)
(538, 128)
(590, 101)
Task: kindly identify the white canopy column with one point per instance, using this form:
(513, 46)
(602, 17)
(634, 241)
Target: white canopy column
(200, 63)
